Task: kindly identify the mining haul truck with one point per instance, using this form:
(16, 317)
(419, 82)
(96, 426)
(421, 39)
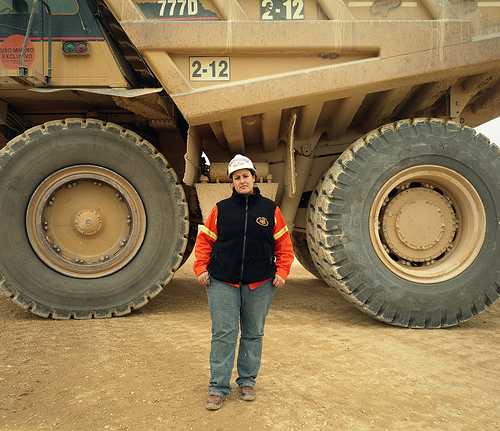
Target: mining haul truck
(118, 119)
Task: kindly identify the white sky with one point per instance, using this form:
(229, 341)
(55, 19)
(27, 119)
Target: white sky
(491, 130)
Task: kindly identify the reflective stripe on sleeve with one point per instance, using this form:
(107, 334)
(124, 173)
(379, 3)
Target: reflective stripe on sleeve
(280, 233)
(207, 231)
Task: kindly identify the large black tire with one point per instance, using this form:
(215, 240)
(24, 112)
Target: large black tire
(301, 251)
(191, 242)
(32, 168)
(299, 239)
(406, 224)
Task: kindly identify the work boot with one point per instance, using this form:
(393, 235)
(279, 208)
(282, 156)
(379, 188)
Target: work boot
(247, 393)
(214, 402)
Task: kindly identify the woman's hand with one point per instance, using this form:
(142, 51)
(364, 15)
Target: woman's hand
(279, 281)
(204, 279)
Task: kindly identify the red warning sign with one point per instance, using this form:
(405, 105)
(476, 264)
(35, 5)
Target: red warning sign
(10, 52)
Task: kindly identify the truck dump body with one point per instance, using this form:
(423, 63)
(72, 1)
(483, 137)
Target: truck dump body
(342, 66)
(119, 117)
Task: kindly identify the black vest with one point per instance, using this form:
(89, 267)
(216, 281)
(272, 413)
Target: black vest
(244, 250)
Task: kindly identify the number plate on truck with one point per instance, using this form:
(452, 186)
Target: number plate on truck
(209, 69)
(281, 10)
(176, 10)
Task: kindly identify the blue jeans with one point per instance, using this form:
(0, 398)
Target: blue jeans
(229, 307)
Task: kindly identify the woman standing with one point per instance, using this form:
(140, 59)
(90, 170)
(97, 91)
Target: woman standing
(243, 253)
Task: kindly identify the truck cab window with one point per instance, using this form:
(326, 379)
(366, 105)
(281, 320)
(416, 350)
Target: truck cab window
(63, 7)
(57, 7)
(13, 7)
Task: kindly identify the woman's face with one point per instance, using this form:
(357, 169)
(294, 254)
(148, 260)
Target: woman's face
(243, 181)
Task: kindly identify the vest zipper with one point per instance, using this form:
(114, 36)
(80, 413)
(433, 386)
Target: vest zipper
(244, 240)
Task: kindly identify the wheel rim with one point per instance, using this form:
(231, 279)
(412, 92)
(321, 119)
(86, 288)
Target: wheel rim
(85, 221)
(427, 224)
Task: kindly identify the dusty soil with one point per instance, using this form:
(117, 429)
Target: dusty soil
(325, 366)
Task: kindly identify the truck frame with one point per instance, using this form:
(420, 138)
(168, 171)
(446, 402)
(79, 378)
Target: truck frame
(118, 118)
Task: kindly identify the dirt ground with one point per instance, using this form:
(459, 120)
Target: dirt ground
(325, 366)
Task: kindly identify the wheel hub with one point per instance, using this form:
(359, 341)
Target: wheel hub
(88, 222)
(85, 221)
(419, 224)
(427, 224)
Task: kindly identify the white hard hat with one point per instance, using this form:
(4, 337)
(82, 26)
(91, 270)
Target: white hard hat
(240, 162)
